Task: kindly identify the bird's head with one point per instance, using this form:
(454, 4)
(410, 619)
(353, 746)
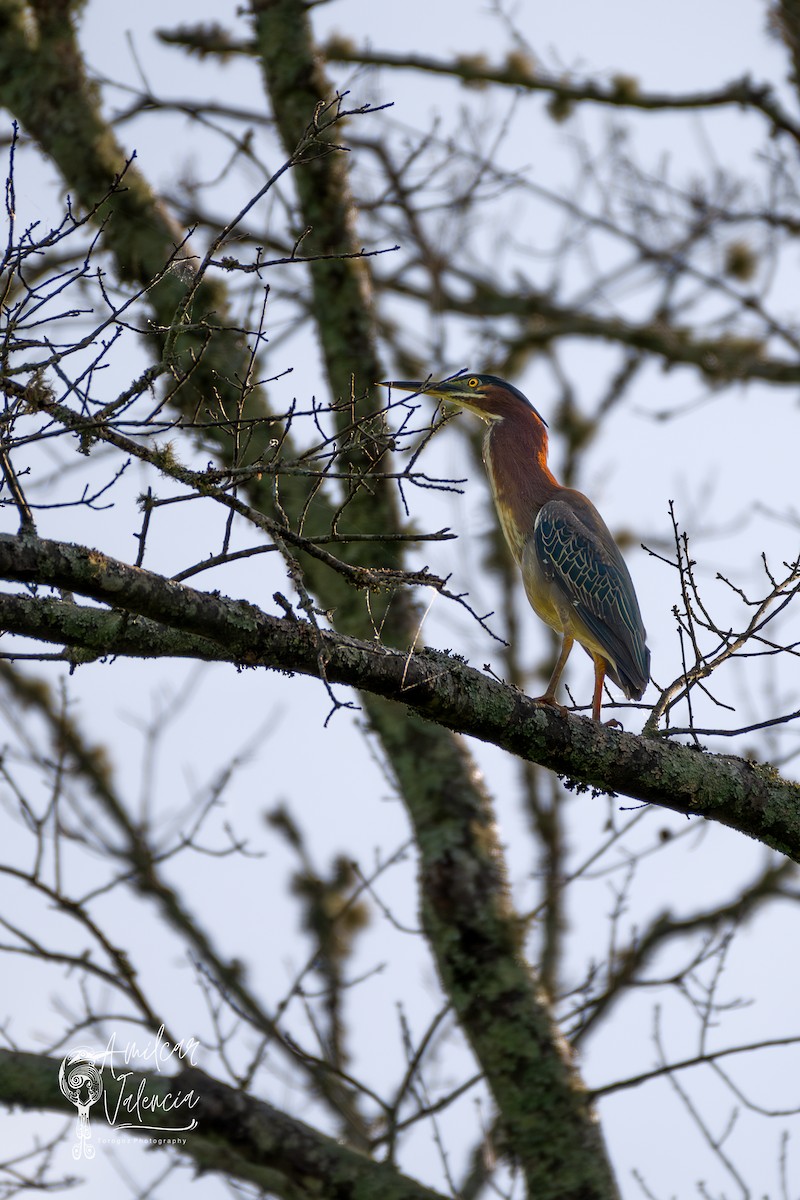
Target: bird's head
(490, 398)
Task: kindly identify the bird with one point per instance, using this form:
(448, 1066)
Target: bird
(574, 574)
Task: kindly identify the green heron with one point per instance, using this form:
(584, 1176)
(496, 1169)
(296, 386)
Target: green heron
(574, 575)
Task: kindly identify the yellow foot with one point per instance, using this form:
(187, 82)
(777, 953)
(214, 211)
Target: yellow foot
(550, 701)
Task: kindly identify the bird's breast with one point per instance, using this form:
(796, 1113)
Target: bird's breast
(516, 519)
(543, 596)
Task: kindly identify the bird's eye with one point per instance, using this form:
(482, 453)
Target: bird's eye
(473, 382)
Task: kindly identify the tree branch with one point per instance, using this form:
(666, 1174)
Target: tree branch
(723, 359)
(622, 92)
(747, 796)
(519, 71)
(236, 1134)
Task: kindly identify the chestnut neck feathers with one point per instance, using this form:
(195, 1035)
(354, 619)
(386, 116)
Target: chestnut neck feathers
(515, 455)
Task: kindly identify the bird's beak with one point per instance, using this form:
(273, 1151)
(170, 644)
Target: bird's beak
(438, 391)
(453, 391)
(402, 385)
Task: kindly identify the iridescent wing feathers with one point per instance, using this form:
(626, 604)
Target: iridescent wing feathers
(581, 561)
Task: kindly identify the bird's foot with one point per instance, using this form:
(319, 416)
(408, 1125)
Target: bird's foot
(549, 699)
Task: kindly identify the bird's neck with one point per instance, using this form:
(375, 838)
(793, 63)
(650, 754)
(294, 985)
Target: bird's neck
(515, 454)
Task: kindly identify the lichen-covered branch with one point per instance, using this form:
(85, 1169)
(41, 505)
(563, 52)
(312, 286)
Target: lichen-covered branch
(746, 796)
(519, 71)
(542, 320)
(237, 1134)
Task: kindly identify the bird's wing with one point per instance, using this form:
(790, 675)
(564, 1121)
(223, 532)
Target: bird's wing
(578, 555)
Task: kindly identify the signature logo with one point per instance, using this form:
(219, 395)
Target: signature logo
(130, 1101)
(82, 1084)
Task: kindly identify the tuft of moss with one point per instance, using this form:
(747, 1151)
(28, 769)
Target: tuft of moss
(38, 391)
(520, 64)
(560, 107)
(474, 67)
(741, 260)
(338, 46)
(164, 457)
(626, 88)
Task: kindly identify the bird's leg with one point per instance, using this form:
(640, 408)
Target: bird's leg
(599, 679)
(599, 676)
(549, 696)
